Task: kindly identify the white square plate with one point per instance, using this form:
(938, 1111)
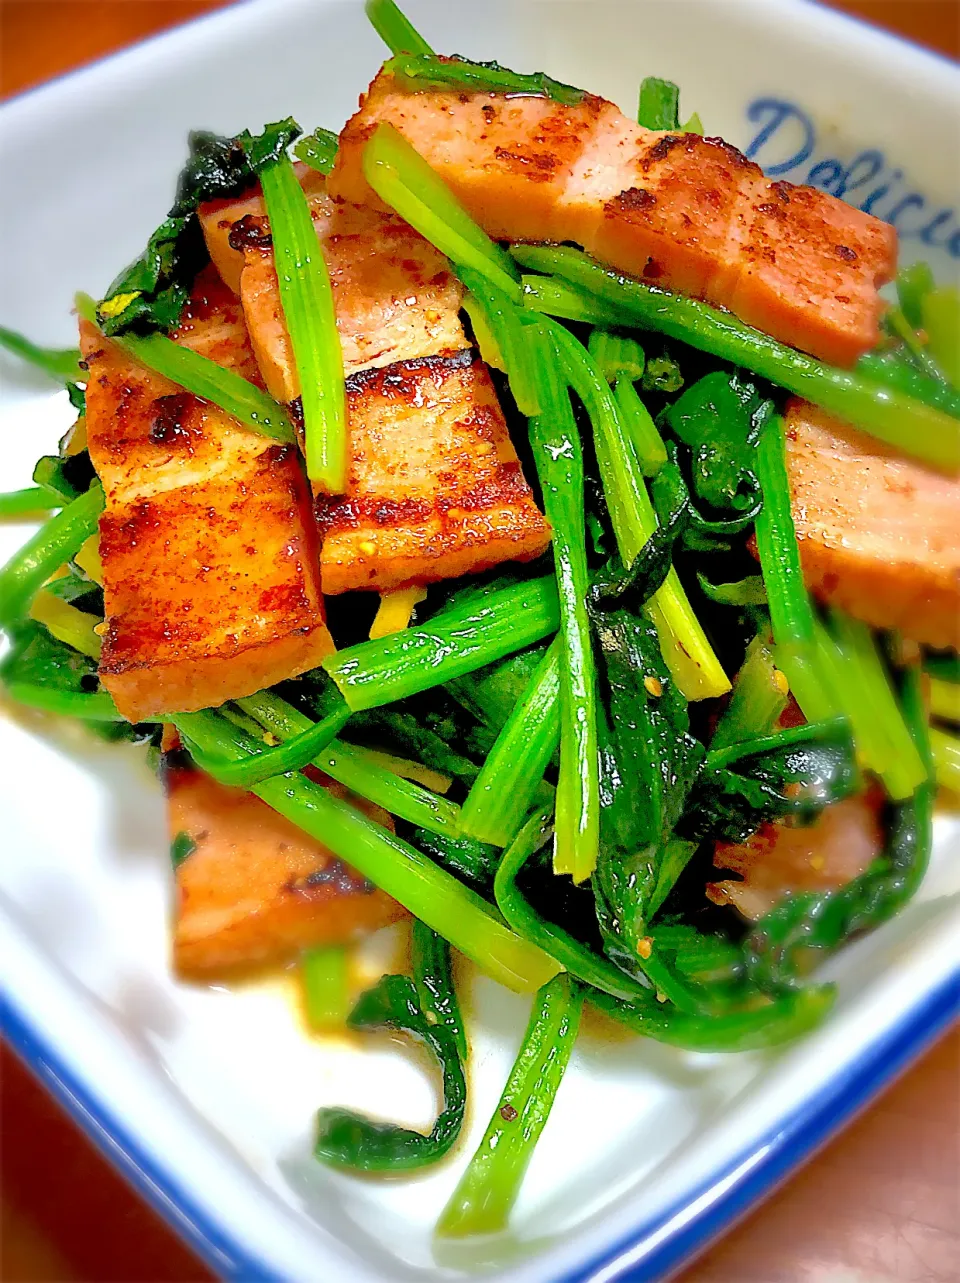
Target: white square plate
(206, 1097)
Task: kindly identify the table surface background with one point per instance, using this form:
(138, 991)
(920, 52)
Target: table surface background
(881, 1204)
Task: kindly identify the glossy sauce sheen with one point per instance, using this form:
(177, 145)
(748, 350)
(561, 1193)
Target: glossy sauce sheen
(434, 486)
(255, 888)
(687, 213)
(208, 548)
(879, 534)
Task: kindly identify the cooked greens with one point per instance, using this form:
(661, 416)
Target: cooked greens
(150, 293)
(347, 1140)
(918, 429)
(550, 766)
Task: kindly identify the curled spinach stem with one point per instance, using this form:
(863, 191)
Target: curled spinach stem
(295, 752)
(433, 977)
(360, 1144)
(765, 1025)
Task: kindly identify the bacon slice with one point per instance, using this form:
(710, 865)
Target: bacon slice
(879, 533)
(688, 213)
(435, 488)
(776, 860)
(395, 296)
(255, 888)
(208, 548)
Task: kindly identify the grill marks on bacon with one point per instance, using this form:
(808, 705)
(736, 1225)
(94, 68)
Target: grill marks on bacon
(687, 213)
(879, 533)
(208, 548)
(434, 487)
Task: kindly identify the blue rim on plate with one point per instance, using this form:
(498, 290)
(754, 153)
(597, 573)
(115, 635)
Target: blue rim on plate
(684, 1229)
(653, 1248)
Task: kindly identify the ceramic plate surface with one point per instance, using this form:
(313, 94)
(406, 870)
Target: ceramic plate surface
(205, 1097)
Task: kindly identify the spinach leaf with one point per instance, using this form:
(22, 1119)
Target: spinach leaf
(69, 475)
(151, 292)
(719, 419)
(318, 150)
(469, 859)
(615, 586)
(793, 773)
(420, 733)
(182, 846)
(349, 1140)
(79, 592)
(36, 658)
(649, 761)
(491, 693)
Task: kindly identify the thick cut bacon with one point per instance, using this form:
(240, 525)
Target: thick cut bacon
(435, 488)
(395, 296)
(208, 549)
(255, 888)
(822, 856)
(688, 213)
(226, 241)
(879, 533)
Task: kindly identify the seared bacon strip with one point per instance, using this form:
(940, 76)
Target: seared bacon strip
(879, 533)
(688, 213)
(778, 859)
(434, 486)
(208, 548)
(254, 888)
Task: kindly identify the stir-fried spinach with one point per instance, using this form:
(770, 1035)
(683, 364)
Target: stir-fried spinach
(151, 292)
(346, 1139)
(649, 761)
